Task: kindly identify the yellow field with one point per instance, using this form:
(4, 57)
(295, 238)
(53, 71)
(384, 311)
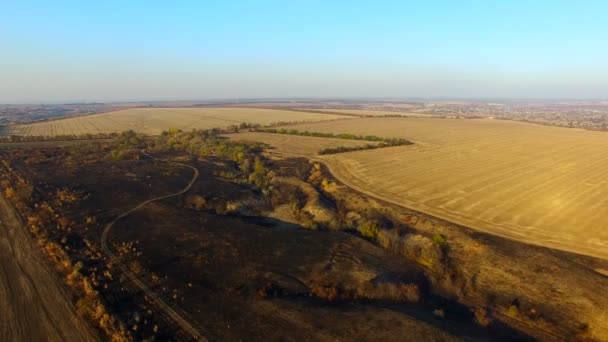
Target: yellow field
(544, 185)
(155, 120)
(370, 112)
(295, 144)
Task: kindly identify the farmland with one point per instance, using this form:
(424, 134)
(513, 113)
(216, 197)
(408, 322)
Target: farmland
(154, 120)
(293, 144)
(300, 244)
(362, 112)
(542, 185)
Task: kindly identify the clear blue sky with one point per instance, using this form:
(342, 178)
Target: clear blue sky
(160, 50)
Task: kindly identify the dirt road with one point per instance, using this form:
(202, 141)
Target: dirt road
(176, 317)
(34, 305)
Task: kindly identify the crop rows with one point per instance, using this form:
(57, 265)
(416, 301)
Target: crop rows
(544, 185)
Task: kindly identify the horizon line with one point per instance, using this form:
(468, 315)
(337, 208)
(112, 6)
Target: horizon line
(235, 100)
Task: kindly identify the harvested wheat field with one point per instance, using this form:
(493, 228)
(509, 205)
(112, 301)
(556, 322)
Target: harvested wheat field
(539, 184)
(155, 120)
(369, 112)
(295, 144)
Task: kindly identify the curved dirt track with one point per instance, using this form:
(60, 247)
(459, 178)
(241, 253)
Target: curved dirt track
(183, 323)
(34, 305)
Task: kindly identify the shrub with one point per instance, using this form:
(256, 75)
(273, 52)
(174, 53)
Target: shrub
(330, 293)
(389, 240)
(513, 311)
(135, 267)
(369, 230)
(439, 240)
(482, 316)
(9, 193)
(391, 290)
(414, 247)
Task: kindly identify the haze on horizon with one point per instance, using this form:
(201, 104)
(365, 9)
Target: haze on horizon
(113, 51)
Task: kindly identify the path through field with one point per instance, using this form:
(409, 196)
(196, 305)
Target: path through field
(34, 305)
(169, 312)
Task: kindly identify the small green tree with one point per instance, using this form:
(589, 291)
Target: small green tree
(513, 311)
(369, 230)
(439, 240)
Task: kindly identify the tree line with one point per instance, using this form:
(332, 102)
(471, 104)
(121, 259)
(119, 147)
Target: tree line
(13, 138)
(347, 136)
(381, 142)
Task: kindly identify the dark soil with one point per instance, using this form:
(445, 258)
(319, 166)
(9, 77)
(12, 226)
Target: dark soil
(236, 273)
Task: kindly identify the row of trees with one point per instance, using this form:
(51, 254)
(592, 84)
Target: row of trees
(13, 138)
(342, 149)
(347, 136)
(382, 142)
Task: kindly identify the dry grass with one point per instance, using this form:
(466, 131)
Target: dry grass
(539, 184)
(295, 144)
(155, 120)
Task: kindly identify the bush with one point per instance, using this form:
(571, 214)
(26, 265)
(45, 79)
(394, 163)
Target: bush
(513, 311)
(482, 317)
(389, 240)
(415, 247)
(391, 290)
(330, 293)
(439, 240)
(369, 230)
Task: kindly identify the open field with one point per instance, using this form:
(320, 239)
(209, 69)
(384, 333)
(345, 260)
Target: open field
(183, 253)
(285, 280)
(543, 185)
(369, 112)
(155, 120)
(294, 144)
(33, 303)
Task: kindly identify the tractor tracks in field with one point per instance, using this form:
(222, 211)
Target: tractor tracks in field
(34, 305)
(169, 312)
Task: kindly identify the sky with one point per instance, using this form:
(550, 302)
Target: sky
(103, 51)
